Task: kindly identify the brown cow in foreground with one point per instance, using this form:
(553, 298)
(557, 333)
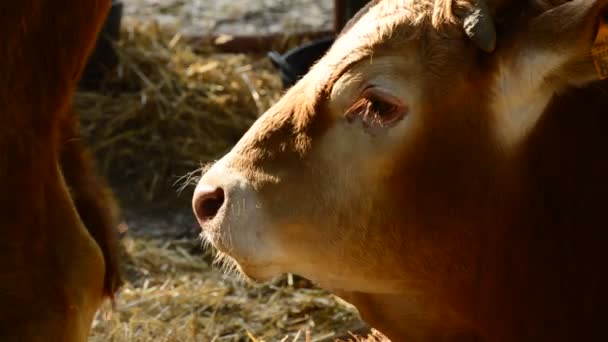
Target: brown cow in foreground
(57, 243)
(451, 183)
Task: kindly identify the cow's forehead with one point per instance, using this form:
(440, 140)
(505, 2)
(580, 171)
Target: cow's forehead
(386, 24)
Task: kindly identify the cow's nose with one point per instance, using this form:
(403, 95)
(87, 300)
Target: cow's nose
(207, 201)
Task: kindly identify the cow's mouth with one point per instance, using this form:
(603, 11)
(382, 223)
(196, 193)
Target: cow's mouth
(216, 234)
(230, 263)
(212, 238)
(226, 233)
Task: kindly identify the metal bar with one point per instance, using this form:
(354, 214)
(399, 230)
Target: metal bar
(255, 43)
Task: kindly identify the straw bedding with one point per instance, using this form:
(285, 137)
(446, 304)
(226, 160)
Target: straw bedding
(175, 294)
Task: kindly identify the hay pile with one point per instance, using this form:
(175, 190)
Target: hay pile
(169, 108)
(176, 295)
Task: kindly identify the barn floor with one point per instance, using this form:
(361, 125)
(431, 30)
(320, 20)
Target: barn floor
(173, 292)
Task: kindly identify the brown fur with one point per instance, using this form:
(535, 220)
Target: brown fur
(456, 225)
(51, 270)
(92, 198)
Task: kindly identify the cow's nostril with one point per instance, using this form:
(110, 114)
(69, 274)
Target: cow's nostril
(207, 202)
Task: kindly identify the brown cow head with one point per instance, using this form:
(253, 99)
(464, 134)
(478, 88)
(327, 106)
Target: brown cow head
(391, 167)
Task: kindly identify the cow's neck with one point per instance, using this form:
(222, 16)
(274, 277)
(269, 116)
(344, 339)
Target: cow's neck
(520, 99)
(408, 318)
(542, 287)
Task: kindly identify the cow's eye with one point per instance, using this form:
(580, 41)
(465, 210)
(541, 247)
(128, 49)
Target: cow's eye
(376, 108)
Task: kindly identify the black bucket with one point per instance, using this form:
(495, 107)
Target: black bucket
(296, 62)
(104, 58)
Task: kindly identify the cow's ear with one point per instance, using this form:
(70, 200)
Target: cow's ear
(565, 43)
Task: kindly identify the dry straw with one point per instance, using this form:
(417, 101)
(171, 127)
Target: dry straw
(168, 108)
(174, 294)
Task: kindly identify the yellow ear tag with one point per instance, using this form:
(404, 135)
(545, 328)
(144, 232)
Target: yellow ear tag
(599, 50)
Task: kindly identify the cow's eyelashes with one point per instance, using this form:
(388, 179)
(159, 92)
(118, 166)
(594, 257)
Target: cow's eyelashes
(376, 108)
(381, 108)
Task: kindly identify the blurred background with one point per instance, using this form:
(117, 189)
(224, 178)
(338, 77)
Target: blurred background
(171, 86)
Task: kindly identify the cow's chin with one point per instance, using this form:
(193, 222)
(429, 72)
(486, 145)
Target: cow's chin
(250, 272)
(244, 245)
(239, 248)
